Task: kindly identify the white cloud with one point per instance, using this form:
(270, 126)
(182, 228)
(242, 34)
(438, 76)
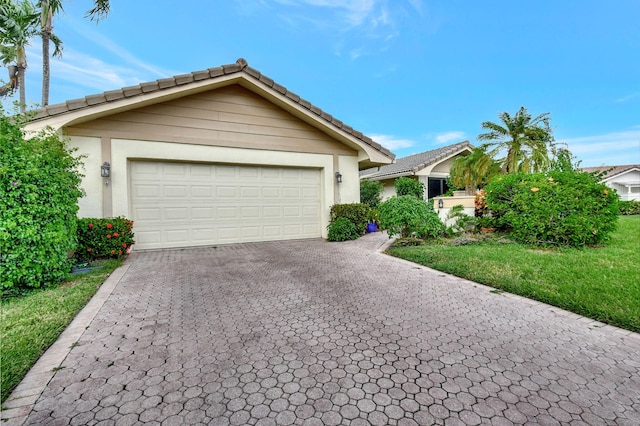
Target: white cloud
(628, 97)
(391, 142)
(444, 138)
(616, 148)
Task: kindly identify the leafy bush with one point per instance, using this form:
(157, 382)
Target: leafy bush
(371, 192)
(462, 222)
(39, 189)
(356, 213)
(104, 238)
(409, 186)
(567, 208)
(407, 215)
(342, 229)
(630, 207)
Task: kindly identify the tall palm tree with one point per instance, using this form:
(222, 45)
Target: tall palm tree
(474, 170)
(48, 8)
(18, 23)
(527, 141)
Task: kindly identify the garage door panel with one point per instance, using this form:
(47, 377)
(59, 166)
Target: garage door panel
(181, 204)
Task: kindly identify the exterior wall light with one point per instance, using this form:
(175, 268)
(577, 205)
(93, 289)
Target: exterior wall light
(338, 177)
(105, 169)
(440, 203)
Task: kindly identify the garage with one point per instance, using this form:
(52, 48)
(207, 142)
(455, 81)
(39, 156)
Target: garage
(190, 204)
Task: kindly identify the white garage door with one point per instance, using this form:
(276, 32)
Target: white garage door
(184, 204)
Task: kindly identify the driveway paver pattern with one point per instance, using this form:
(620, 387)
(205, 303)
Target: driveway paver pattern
(316, 333)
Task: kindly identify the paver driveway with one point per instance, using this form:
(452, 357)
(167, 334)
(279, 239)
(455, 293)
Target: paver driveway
(311, 332)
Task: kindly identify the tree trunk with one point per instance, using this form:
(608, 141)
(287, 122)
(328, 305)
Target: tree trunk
(46, 71)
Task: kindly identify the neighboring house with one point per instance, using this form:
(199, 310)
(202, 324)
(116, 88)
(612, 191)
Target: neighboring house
(624, 179)
(430, 167)
(223, 155)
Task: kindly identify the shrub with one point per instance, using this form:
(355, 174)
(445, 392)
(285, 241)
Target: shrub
(628, 208)
(409, 186)
(407, 215)
(356, 213)
(104, 238)
(567, 208)
(342, 229)
(371, 192)
(462, 222)
(39, 189)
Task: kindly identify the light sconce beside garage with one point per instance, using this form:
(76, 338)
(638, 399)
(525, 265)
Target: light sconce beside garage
(105, 169)
(338, 177)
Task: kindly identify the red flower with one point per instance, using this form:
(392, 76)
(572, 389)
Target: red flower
(109, 226)
(89, 249)
(113, 252)
(124, 245)
(120, 252)
(108, 235)
(90, 225)
(115, 234)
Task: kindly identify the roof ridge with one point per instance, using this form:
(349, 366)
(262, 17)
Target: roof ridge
(240, 66)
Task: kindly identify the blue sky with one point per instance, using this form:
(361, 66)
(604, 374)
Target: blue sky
(412, 74)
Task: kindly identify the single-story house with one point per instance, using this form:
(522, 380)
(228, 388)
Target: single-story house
(222, 155)
(430, 167)
(624, 179)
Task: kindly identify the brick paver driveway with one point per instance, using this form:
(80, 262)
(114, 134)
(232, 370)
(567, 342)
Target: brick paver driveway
(311, 332)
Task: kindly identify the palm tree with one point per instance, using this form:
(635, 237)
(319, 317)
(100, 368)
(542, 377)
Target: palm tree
(18, 23)
(474, 170)
(527, 141)
(100, 10)
(48, 8)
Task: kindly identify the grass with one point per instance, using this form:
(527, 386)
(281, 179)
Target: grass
(602, 283)
(32, 322)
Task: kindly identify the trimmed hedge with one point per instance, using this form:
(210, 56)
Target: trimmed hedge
(356, 213)
(628, 208)
(104, 238)
(39, 189)
(568, 208)
(342, 229)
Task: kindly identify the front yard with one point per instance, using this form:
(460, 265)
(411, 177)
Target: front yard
(602, 283)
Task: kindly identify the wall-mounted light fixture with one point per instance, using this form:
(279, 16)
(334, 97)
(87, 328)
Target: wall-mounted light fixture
(440, 203)
(105, 169)
(338, 177)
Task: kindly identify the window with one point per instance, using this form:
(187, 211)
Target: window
(437, 187)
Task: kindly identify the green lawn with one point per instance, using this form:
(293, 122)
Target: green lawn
(31, 323)
(602, 283)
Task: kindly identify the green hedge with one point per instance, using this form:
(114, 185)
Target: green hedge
(407, 215)
(356, 213)
(104, 238)
(628, 208)
(568, 208)
(39, 191)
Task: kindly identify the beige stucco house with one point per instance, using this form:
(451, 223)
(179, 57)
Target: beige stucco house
(223, 155)
(624, 179)
(430, 167)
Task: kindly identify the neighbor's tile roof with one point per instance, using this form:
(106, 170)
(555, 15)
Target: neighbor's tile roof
(241, 66)
(611, 171)
(408, 166)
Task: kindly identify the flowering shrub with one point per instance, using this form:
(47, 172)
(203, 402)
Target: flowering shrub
(567, 208)
(481, 203)
(39, 191)
(104, 238)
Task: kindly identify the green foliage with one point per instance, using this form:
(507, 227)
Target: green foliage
(474, 170)
(462, 222)
(39, 189)
(342, 229)
(356, 213)
(371, 192)
(557, 208)
(104, 238)
(407, 215)
(628, 208)
(409, 186)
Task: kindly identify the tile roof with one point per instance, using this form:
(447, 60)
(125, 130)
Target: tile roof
(611, 171)
(240, 66)
(408, 166)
